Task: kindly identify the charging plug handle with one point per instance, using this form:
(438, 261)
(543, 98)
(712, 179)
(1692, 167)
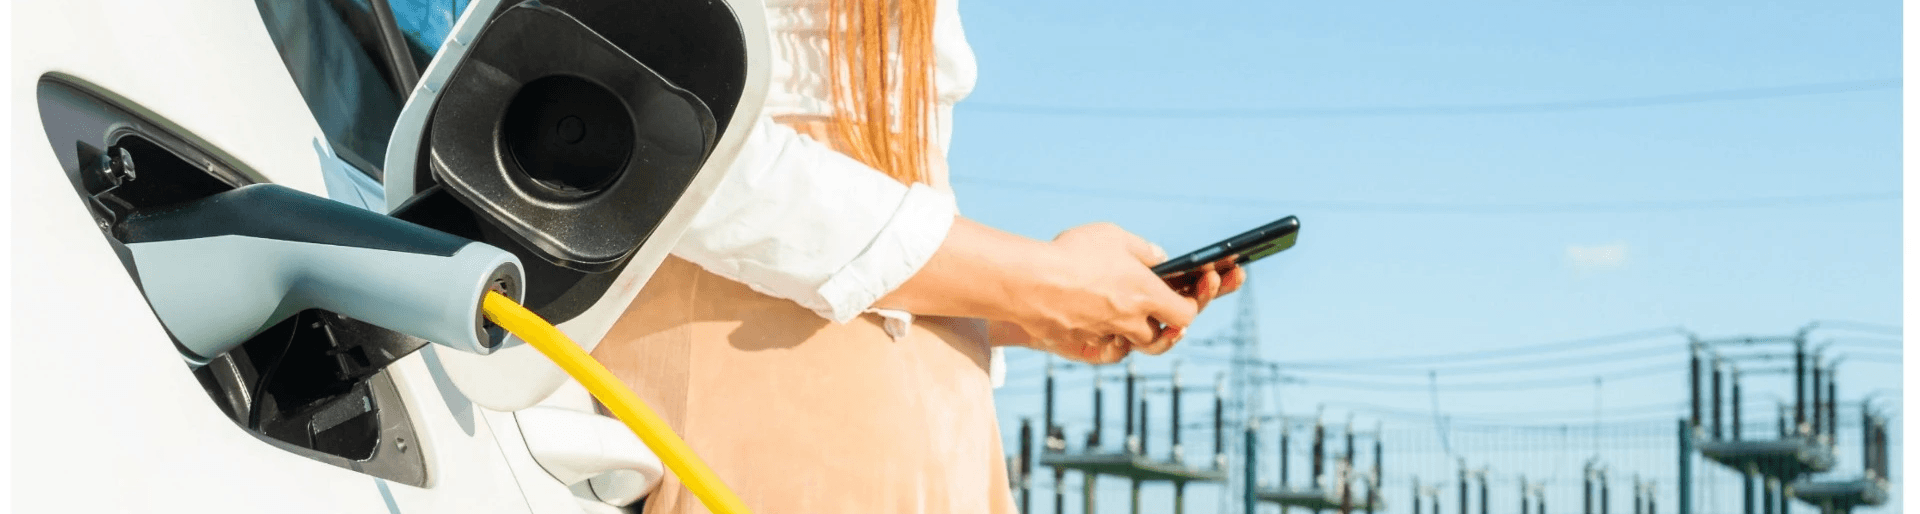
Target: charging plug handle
(219, 270)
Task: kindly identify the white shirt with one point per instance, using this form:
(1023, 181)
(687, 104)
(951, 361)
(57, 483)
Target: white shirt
(798, 220)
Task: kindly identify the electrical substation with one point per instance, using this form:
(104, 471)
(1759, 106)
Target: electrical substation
(1753, 425)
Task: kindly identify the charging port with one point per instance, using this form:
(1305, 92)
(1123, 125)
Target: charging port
(314, 384)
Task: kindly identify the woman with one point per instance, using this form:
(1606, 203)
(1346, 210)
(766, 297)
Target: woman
(823, 336)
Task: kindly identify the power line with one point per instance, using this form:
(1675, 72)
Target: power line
(1457, 369)
(1724, 95)
(1456, 423)
(1658, 423)
(1658, 407)
(1871, 341)
(1877, 358)
(1505, 385)
(1510, 367)
(1859, 326)
(1453, 208)
(1497, 353)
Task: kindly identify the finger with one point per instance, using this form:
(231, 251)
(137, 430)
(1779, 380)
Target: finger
(1108, 351)
(1119, 350)
(1089, 353)
(1160, 343)
(1170, 308)
(1206, 289)
(1165, 342)
(1144, 330)
(1232, 280)
(1094, 350)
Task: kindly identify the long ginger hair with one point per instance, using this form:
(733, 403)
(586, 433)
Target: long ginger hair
(881, 106)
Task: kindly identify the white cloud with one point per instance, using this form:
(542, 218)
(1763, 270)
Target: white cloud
(1597, 257)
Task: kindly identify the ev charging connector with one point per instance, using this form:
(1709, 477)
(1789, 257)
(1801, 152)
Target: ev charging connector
(221, 269)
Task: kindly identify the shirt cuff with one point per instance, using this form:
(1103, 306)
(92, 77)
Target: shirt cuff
(997, 367)
(902, 247)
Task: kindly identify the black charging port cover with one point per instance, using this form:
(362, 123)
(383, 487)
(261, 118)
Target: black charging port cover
(552, 132)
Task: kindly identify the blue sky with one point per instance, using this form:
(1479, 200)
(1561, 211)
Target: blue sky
(1428, 233)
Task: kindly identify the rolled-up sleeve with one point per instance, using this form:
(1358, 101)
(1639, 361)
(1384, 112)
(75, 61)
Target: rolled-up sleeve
(797, 220)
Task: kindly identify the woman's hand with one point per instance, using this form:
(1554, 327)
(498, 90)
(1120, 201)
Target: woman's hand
(1210, 285)
(1097, 296)
(1090, 294)
(1007, 333)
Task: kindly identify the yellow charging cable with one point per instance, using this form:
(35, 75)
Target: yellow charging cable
(618, 398)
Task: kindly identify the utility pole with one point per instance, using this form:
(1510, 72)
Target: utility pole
(1523, 495)
(1416, 496)
(1604, 496)
(1219, 424)
(1736, 403)
(1344, 484)
(1140, 449)
(1716, 398)
(1143, 426)
(1046, 425)
(1766, 495)
(1348, 471)
(1866, 441)
(1818, 391)
(1026, 465)
(1799, 383)
(1056, 442)
(1783, 422)
(1587, 481)
(1637, 495)
(1379, 475)
(1286, 435)
(1253, 426)
(1483, 492)
(1348, 458)
(1179, 455)
(1319, 452)
(1093, 438)
(1686, 467)
(1786, 496)
(1059, 490)
(1132, 441)
(1746, 489)
(1652, 507)
(1693, 377)
(1833, 401)
(1088, 478)
(1463, 486)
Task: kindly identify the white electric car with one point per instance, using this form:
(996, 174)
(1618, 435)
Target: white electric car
(515, 125)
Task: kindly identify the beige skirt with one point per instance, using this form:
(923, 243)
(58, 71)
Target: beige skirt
(801, 415)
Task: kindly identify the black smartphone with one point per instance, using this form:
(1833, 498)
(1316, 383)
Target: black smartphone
(1181, 272)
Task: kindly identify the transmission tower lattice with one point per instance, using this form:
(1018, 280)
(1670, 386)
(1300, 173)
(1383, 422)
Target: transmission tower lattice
(1243, 400)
